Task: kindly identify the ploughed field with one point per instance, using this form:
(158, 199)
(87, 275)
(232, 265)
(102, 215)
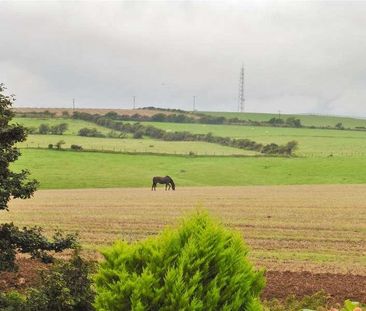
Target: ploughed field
(296, 228)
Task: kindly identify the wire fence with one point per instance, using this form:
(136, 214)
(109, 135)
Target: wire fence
(240, 153)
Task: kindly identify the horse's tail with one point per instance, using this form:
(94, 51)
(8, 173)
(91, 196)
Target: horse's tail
(172, 182)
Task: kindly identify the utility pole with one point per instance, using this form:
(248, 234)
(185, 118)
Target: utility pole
(194, 103)
(73, 104)
(134, 102)
(241, 99)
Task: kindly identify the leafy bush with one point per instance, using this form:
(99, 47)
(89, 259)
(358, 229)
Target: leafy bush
(31, 241)
(12, 301)
(65, 287)
(90, 132)
(57, 129)
(139, 134)
(43, 129)
(76, 147)
(199, 266)
(59, 144)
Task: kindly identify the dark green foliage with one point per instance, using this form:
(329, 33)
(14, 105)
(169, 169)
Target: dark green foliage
(90, 132)
(57, 129)
(65, 287)
(76, 147)
(293, 122)
(43, 129)
(287, 149)
(200, 266)
(339, 126)
(59, 144)
(12, 301)
(139, 134)
(12, 184)
(31, 241)
(138, 130)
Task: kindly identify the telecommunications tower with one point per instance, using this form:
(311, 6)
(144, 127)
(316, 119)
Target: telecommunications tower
(241, 98)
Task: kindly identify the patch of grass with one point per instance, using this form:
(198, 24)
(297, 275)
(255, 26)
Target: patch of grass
(311, 141)
(66, 169)
(73, 125)
(308, 120)
(133, 145)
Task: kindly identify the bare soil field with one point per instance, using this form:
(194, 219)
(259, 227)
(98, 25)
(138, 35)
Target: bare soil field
(279, 284)
(128, 112)
(287, 228)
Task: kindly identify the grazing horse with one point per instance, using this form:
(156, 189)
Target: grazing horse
(167, 180)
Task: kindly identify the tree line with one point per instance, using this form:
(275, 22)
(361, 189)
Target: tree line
(139, 130)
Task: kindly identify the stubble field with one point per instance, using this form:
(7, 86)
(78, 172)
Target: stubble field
(295, 228)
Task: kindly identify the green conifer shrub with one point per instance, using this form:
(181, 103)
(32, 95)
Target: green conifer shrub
(199, 266)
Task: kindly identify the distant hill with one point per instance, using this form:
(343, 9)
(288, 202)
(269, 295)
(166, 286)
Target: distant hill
(307, 120)
(58, 111)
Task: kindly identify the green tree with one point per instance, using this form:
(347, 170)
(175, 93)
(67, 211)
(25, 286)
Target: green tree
(59, 144)
(339, 126)
(199, 266)
(12, 184)
(43, 129)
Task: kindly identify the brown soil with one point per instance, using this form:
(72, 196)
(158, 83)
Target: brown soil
(26, 276)
(339, 287)
(280, 285)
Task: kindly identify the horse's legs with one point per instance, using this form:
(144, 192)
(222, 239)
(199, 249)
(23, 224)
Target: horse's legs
(166, 185)
(153, 187)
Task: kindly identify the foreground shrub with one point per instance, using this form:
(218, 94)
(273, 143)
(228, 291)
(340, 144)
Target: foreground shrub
(65, 287)
(12, 301)
(199, 266)
(31, 241)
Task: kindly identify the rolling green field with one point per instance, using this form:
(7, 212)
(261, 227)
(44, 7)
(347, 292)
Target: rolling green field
(133, 145)
(73, 125)
(312, 142)
(308, 120)
(314, 165)
(67, 169)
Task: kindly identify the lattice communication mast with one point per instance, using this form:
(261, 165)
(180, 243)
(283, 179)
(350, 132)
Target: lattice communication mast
(241, 99)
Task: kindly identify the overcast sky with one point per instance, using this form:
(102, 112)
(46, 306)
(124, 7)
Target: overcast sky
(299, 57)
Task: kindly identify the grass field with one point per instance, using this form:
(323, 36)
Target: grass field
(66, 169)
(73, 125)
(312, 142)
(133, 145)
(315, 228)
(308, 120)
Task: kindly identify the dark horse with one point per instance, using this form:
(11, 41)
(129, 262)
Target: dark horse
(167, 180)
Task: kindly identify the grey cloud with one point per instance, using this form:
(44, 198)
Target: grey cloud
(305, 57)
